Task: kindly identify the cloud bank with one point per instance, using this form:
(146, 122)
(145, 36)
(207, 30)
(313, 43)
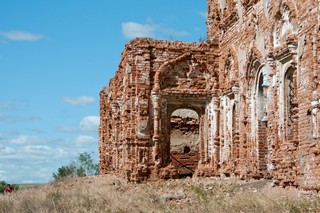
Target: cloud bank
(90, 123)
(21, 36)
(203, 14)
(17, 118)
(132, 30)
(79, 101)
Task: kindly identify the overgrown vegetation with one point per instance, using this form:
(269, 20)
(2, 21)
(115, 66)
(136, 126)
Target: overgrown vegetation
(202, 39)
(82, 166)
(4, 184)
(111, 194)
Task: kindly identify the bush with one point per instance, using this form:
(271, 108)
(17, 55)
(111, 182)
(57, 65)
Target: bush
(82, 166)
(3, 185)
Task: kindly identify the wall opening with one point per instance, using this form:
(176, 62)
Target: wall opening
(184, 141)
(288, 104)
(262, 128)
(260, 97)
(235, 136)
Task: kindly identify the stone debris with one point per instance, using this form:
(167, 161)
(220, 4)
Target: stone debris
(179, 195)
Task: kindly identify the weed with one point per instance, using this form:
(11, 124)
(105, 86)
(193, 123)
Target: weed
(110, 194)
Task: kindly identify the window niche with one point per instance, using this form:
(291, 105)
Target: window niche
(285, 26)
(289, 103)
(260, 97)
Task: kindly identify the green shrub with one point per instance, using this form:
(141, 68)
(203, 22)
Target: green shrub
(82, 166)
(3, 185)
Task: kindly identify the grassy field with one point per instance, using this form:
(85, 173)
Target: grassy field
(29, 185)
(111, 194)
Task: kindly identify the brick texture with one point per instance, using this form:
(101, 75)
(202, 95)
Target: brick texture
(254, 84)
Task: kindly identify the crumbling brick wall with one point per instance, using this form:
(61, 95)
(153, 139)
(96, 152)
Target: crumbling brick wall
(271, 46)
(254, 84)
(154, 79)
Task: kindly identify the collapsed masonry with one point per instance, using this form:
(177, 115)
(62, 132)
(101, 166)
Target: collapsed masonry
(246, 102)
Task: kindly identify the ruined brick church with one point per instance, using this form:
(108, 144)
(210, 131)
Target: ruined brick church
(244, 103)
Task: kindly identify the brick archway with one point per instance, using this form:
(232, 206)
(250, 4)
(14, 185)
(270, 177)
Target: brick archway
(180, 83)
(169, 103)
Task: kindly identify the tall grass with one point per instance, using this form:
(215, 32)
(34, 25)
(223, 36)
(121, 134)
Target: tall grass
(111, 194)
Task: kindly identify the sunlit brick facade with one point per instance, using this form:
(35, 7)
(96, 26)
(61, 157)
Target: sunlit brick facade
(253, 87)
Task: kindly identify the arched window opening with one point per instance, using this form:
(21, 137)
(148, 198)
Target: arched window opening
(235, 134)
(234, 119)
(260, 98)
(184, 141)
(261, 132)
(288, 103)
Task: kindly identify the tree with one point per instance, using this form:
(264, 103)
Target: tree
(87, 165)
(83, 165)
(3, 185)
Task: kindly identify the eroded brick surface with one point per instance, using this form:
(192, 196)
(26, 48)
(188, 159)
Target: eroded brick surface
(254, 84)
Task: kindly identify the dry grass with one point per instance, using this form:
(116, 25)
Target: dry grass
(111, 194)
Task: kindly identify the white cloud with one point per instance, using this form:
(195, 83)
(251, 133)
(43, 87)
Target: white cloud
(30, 158)
(32, 162)
(7, 150)
(86, 125)
(25, 139)
(17, 118)
(31, 154)
(66, 129)
(7, 106)
(203, 14)
(2, 176)
(9, 132)
(36, 130)
(85, 139)
(132, 30)
(42, 173)
(90, 124)
(44, 150)
(79, 101)
(21, 36)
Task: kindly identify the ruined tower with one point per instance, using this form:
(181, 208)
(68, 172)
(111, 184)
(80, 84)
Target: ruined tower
(245, 102)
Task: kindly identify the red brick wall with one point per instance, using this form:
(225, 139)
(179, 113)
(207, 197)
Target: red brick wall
(219, 79)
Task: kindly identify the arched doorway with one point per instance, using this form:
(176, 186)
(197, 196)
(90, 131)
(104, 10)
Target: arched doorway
(184, 141)
(257, 142)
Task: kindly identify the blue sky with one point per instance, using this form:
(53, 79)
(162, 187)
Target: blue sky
(55, 57)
